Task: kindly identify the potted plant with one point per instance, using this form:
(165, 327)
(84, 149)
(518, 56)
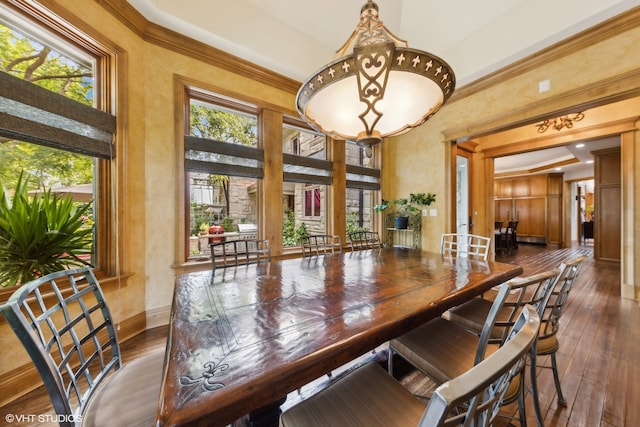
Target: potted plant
(406, 207)
(41, 234)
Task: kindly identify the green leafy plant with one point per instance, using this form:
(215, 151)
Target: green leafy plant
(407, 206)
(288, 230)
(292, 235)
(203, 228)
(228, 225)
(352, 223)
(41, 234)
(301, 233)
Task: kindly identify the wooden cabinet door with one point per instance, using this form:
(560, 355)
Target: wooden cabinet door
(502, 188)
(608, 202)
(531, 216)
(521, 187)
(503, 210)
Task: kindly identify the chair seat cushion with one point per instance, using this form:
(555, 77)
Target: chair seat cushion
(129, 397)
(472, 314)
(547, 345)
(367, 397)
(440, 349)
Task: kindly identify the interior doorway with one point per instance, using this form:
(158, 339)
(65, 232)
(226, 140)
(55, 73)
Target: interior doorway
(463, 219)
(573, 160)
(582, 211)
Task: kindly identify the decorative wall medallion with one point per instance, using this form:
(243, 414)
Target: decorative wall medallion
(560, 122)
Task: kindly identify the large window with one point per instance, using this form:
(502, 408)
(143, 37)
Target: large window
(363, 185)
(307, 174)
(223, 166)
(52, 131)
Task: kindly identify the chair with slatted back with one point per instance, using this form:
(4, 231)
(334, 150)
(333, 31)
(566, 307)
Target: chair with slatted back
(364, 240)
(442, 349)
(70, 337)
(548, 343)
(321, 244)
(471, 313)
(239, 252)
(465, 245)
(370, 397)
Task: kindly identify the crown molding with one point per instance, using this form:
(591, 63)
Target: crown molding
(179, 43)
(606, 29)
(169, 39)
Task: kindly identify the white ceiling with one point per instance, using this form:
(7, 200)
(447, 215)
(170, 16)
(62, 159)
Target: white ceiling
(545, 160)
(297, 37)
(476, 37)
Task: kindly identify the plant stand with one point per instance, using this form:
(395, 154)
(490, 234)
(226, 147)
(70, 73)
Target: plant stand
(411, 237)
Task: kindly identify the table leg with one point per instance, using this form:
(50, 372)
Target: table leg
(268, 416)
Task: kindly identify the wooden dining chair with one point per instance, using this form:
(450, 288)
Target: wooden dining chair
(513, 233)
(321, 244)
(442, 348)
(70, 337)
(370, 397)
(365, 240)
(465, 245)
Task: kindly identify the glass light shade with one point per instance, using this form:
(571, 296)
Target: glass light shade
(379, 90)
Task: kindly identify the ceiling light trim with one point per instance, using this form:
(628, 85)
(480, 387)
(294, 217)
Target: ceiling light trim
(382, 89)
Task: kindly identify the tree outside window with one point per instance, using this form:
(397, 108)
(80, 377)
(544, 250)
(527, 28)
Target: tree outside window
(222, 185)
(46, 61)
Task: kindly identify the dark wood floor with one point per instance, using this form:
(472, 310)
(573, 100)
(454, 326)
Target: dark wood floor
(598, 356)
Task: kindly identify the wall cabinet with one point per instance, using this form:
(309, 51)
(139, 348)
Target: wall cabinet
(535, 202)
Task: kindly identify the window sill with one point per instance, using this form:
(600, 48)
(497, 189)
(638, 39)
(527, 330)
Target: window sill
(105, 283)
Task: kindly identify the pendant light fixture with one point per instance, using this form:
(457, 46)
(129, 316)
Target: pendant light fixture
(377, 87)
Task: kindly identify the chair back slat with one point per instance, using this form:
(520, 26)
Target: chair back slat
(365, 240)
(239, 252)
(559, 296)
(69, 335)
(475, 397)
(465, 245)
(320, 244)
(534, 290)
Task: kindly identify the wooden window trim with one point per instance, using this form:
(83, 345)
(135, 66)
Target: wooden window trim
(108, 255)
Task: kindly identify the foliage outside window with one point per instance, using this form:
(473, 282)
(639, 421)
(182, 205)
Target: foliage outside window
(222, 184)
(41, 234)
(44, 60)
(360, 196)
(306, 176)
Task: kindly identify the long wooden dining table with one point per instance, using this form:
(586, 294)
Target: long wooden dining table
(242, 338)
